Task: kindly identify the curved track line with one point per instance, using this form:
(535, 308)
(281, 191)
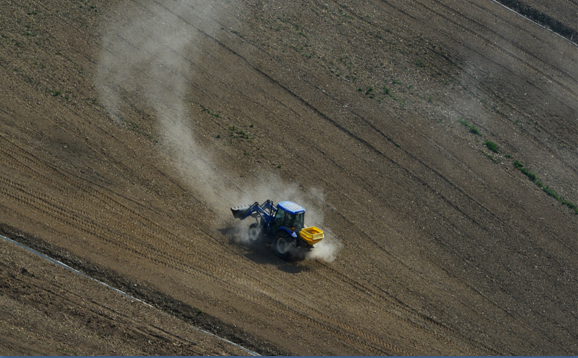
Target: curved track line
(311, 107)
(207, 271)
(492, 45)
(116, 290)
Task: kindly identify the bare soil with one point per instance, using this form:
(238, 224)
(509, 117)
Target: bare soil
(355, 109)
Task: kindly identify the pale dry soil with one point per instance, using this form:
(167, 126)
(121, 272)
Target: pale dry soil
(354, 109)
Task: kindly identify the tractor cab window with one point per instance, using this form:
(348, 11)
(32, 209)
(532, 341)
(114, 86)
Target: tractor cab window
(283, 218)
(294, 221)
(280, 217)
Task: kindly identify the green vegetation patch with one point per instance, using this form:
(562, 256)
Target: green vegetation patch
(470, 126)
(491, 146)
(520, 167)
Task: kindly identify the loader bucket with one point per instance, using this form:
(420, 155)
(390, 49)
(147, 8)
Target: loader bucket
(241, 212)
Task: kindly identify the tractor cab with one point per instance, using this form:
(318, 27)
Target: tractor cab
(289, 217)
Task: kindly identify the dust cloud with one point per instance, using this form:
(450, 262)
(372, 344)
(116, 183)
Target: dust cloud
(148, 56)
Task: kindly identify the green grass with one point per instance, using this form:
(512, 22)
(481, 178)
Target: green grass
(520, 167)
(470, 126)
(497, 161)
(491, 146)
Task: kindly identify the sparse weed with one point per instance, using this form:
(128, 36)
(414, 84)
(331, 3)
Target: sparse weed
(491, 146)
(520, 167)
(470, 126)
(544, 187)
(210, 112)
(497, 161)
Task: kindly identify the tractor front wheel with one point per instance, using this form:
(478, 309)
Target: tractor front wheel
(255, 232)
(284, 245)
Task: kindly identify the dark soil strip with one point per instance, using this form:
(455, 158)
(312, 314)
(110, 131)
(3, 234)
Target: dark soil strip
(155, 298)
(542, 19)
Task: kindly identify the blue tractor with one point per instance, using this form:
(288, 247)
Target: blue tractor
(281, 224)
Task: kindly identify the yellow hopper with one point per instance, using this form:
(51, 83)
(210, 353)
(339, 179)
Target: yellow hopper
(312, 235)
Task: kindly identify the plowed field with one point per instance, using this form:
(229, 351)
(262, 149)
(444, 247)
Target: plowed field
(435, 142)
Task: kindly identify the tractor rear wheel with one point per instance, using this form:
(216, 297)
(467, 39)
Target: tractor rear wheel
(284, 245)
(255, 232)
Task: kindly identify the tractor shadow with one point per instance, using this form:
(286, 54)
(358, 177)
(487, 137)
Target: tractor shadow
(260, 252)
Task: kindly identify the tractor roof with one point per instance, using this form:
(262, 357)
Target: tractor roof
(291, 207)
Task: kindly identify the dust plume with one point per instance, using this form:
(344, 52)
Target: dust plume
(148, 52)
(148, 57)
(327, 249)
(313, 199)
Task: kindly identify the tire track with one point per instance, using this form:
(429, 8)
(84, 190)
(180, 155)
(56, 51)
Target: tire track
(350, 134)
(345, 326)
(171, 262)
(477, 83)
(425, 165)
(368, 293)
(202, 270)
(147, 329)
(343, 129)
(463, 44)
(492, 45)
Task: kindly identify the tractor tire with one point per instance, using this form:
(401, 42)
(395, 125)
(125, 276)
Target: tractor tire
(255, 233)
(284, 245)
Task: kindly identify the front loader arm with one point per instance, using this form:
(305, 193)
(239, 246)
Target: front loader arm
(244, 211)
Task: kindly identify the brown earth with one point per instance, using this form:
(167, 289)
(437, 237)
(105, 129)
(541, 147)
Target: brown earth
(129, 128)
